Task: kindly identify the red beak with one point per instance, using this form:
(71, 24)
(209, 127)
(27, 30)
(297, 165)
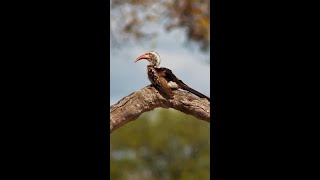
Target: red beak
(144, 56)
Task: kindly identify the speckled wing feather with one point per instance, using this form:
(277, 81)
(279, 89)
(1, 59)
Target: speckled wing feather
(157, 79)
(167, 73)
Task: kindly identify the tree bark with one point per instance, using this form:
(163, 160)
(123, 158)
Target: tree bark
(148, 98)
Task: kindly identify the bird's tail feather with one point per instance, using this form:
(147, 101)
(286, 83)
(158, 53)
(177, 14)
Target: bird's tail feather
(195, 92)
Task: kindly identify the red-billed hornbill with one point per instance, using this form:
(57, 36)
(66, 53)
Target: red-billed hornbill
(163, 78)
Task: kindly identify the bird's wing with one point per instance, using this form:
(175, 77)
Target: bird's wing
(157, 78)
(169, 76)
(167, 73)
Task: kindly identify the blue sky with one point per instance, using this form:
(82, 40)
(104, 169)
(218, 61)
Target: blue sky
(187, 63)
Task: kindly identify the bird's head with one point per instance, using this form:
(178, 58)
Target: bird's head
(152, 57)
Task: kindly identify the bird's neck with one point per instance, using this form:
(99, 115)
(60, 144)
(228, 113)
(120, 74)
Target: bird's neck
(152, 66)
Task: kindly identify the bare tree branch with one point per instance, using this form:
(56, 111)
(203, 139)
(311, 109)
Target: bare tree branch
(148, 98)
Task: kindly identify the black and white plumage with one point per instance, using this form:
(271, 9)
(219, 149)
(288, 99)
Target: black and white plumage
(163, 78)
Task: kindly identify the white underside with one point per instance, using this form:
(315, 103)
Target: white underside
(173, 85)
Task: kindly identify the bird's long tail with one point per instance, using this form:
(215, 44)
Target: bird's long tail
(185, 87)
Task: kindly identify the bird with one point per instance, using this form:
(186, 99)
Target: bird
(163, 78)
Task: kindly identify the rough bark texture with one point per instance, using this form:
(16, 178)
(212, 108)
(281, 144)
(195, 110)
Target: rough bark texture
(132, 106)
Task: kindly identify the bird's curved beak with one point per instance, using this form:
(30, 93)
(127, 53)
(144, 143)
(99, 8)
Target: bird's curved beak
(144, 56)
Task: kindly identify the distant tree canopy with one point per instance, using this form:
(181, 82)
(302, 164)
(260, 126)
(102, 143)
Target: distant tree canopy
(163, 144)
(129, 19)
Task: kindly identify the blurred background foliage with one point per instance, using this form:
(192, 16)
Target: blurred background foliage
(161, 144)
(133, 20)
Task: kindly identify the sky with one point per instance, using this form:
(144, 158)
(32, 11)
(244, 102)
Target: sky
(187, 63)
